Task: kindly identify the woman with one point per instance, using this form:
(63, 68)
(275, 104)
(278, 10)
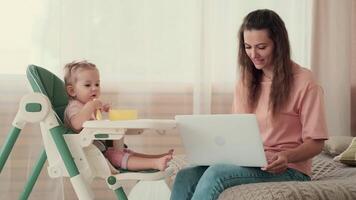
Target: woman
(288, 104)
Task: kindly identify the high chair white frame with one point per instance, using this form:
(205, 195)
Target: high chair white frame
(87, 160)
(74, 155)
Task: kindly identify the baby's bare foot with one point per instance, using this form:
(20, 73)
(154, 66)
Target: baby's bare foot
(162, 162)
(170, 152)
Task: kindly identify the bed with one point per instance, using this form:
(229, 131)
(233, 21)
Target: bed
(331, 180)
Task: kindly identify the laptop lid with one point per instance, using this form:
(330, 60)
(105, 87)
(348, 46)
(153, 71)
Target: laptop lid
(222, 139)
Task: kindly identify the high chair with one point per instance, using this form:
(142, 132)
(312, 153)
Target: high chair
(73, 155)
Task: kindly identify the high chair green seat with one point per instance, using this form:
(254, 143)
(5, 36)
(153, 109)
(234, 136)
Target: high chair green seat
(43, 81)
(69, 154)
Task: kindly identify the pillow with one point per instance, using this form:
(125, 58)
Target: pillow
(337, 144)
(349, 155)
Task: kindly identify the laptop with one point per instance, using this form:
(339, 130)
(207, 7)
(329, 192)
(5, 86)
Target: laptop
(222, 139)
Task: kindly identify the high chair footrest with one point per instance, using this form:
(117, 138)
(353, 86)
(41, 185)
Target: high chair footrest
(146, 176)
(157, 190)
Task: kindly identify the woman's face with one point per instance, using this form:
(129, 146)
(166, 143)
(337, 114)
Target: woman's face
(259, 48)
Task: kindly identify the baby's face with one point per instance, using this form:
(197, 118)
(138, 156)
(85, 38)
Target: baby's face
(87, 85)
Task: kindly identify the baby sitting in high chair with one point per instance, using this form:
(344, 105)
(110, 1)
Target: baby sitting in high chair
(82, 83)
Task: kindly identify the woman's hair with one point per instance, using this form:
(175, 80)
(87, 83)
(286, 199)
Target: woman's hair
(71, 68)
(282, 64)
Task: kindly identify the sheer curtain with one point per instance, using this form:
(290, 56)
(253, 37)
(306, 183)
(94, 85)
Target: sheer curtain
(160, 57)
(332, 56)
(353, 69)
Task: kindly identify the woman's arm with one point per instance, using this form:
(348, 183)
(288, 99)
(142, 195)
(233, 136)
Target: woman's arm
(305, 151)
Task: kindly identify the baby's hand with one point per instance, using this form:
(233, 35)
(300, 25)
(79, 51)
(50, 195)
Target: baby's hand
(106, 107)
(97, 104)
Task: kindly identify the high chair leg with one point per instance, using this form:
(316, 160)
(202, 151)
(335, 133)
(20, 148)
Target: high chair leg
(34, 175)
(120, 194)
(9, 144)
(115, 185)
(80, 187)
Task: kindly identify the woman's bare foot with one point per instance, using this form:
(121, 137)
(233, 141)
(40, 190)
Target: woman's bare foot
(162, 162)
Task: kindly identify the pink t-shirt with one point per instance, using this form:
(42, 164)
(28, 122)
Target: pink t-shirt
(117, 157)
(73, 108)
(302, 117)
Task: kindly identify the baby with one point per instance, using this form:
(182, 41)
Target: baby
(82, 83)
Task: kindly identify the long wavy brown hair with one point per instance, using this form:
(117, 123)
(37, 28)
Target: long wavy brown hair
(282, 64)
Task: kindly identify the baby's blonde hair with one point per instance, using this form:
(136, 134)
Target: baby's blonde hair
(72, 67)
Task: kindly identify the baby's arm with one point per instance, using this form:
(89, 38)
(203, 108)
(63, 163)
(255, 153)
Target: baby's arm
(85, 114)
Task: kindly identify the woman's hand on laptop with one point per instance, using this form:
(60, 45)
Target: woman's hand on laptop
(277, 164)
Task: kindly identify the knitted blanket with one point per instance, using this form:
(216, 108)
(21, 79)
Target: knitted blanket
(330, 181)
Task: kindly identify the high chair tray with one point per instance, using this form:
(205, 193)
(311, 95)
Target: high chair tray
(132, 124)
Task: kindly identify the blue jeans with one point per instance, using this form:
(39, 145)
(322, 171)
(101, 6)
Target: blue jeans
(206, 183)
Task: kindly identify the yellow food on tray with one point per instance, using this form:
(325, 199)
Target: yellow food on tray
(98, 115)
(122, 114)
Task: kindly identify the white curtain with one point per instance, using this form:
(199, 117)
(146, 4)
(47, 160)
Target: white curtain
(332, 58)
(161, 57)
(353, 69)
